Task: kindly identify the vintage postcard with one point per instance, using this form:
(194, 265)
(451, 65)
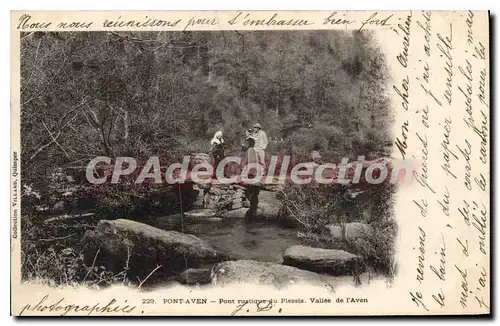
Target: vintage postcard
(250, 163)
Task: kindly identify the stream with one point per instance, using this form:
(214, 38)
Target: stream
(241, 239)
(254, 240)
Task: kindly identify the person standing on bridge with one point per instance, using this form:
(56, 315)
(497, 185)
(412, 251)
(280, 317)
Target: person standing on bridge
(217, 149)
(249, 148)
(261, 143)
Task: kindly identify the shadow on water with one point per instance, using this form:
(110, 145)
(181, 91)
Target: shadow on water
(239, 238)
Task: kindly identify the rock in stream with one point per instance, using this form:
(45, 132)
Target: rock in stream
(328, 261)
(141, 248)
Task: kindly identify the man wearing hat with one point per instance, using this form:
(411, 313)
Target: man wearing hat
(261, 142)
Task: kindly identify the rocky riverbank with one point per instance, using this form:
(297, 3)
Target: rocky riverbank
(148, 251)
(217, 244)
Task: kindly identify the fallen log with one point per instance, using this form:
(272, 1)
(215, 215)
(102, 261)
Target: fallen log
(66, 217)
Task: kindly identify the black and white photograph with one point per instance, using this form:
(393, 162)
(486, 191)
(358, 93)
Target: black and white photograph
(250, 163)
(312, 97)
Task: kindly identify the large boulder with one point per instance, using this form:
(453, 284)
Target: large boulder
(316, 157)
(328, 261)
(224, 197)
(275, 187)
(198, 158)
(60, 206)
(202, 213)
(269, 205)
(140, 249)
(236, 213)
(168, 222)
(263, 273)
(194, 276)
(353, 231)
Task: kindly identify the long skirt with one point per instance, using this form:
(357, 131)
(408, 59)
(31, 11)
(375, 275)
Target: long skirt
(252, 156)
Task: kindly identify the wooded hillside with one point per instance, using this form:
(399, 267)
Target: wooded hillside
(165, 94)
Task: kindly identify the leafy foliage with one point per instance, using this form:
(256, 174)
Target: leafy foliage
(154, 93)
(143, 94)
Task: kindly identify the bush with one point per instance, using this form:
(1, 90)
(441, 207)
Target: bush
(310, 206)
(53, 254)
(314, 206)
(139, 201)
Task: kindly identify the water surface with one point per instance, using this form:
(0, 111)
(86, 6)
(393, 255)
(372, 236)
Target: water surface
(241, 239)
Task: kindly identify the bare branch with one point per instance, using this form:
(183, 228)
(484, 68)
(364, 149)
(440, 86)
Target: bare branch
(143, 281)
(27, 34)
(41, 148)
(93, 264)
(75, 108)
(26, 83)
(48, 83)
(54, 139)
(160, 44)
(58, 239)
